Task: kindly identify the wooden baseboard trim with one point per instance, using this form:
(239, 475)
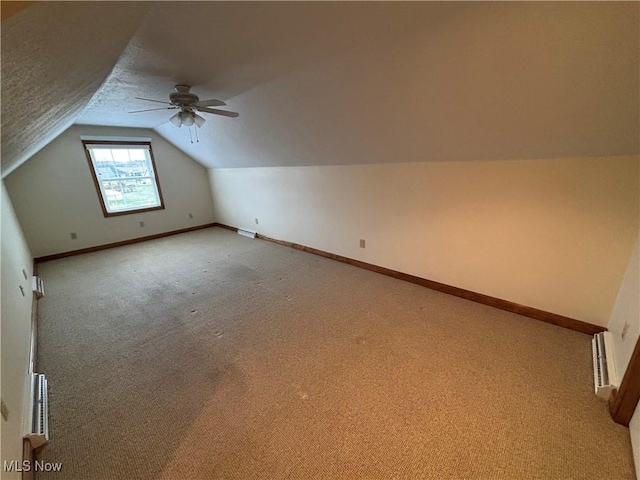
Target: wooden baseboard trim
(33, 345)
(27, 449)
(106, 246)
(548, 317)
(624, 400)
(221, 225)
(28, 456)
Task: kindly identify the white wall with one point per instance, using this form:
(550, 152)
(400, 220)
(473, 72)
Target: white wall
(54, 195)
(16, 329)
(627, 311)
(555, 234)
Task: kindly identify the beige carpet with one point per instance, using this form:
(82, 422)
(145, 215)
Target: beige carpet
(210, 355)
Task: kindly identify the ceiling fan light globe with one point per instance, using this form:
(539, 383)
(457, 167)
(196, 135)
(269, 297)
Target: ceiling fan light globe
(199, 120)
(176, 120)
(187, 119)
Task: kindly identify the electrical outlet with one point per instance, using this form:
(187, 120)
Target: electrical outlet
(4, 410)
(256, 221)
(361, 243)
(191, 215)
(625, 330)
(24, 272)
(141, 224)
(74, 236)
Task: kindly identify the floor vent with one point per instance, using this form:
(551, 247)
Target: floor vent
(37, 285)
(247, 233)
(37, 420)
(604, 371)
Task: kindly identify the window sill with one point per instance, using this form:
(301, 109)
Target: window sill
(128, 212)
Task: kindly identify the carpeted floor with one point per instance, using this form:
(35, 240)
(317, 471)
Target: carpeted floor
(210, 355)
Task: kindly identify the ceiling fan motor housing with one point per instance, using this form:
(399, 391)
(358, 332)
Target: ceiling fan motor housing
(189, 104)
(182, 97)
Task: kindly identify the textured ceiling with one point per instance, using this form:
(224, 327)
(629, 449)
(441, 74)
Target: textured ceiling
(331, 82)
(55, 56)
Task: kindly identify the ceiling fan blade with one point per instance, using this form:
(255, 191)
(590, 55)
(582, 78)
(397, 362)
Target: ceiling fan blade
(152, 109)
(224, 113)
(210, 103)
(150, 100)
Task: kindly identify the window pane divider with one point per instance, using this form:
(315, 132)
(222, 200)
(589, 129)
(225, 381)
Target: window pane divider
(118, 179)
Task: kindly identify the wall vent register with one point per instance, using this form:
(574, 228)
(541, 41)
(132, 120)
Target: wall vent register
(604, 370)
(37, 415)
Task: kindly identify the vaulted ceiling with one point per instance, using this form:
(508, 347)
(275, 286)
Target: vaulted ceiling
(321, 83)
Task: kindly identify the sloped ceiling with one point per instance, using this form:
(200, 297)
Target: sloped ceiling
(55, 56)
(320, 83)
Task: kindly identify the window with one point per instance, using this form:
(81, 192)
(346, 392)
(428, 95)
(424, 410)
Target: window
(125, 176)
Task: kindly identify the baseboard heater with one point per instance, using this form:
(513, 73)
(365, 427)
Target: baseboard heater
(37, 418)
(37, 285)
(604, 369)
(247, 233)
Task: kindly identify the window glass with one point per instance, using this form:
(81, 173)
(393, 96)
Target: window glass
(125, 177)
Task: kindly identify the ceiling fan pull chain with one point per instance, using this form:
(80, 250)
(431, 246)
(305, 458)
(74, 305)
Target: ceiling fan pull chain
(197, 138)
(190, 136)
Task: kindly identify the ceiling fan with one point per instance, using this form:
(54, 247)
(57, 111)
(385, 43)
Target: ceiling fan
(188, 103)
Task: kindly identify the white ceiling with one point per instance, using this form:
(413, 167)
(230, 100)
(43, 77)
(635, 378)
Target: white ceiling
(331, 82)
(225, 49)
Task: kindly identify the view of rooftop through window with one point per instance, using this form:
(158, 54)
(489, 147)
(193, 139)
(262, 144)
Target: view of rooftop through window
(125, 177)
